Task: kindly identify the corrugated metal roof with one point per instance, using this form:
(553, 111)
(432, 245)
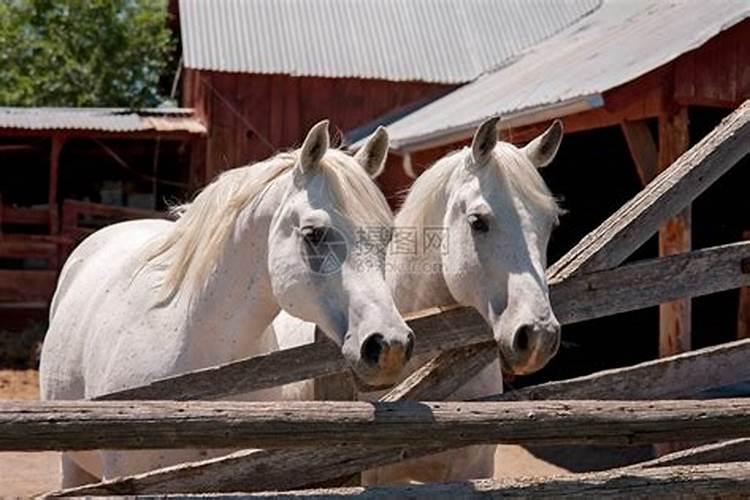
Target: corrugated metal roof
(101, 119)
(448, 41)
(616, 44)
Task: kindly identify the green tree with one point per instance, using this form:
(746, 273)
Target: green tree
(83, 52)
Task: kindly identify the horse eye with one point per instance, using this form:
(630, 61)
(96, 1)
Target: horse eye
(314, 235)
(478, 224)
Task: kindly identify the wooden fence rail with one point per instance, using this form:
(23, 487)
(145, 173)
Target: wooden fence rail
(73, 425)
(729, 480)
(587, 296)
(679, 376)
(734, 450)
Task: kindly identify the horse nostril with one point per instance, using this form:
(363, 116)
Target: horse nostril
(521, 340)
(409, 346)
(372, 348)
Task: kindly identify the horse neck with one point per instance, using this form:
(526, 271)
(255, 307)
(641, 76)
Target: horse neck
(416, 279)
(229, 314)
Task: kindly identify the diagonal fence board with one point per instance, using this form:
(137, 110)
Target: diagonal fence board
(678, 376)
(445, 374)
(734, 450)
(726, 480)
(683, 374)
(582, 297)
(629, 227)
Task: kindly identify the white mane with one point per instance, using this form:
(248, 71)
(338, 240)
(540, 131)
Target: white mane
(429, 191)
(198, 237)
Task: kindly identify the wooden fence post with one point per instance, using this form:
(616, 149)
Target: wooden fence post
(674, 236)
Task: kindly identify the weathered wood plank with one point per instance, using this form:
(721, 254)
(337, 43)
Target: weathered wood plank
(583, 297)
(650, 282)
(642, 148)
(77, 425)
(251, 470)
(258, 470)
(675, 237)
(446, 327)
(682, 481)
(445, 374)
(678, 376)
(630, 226)
(734, 450)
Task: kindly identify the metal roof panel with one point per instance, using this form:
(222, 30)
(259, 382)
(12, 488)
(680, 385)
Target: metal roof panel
(448, 41)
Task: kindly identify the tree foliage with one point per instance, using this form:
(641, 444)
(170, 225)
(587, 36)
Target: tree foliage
(83, 52)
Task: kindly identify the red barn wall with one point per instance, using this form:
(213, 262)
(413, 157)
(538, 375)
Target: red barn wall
(250, 117)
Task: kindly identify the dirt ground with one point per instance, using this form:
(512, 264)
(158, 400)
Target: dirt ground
(23, 475)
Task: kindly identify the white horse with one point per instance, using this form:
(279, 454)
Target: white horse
(473, 230)
(147, 299)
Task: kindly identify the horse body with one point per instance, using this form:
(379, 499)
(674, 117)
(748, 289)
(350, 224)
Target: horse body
(142, 300)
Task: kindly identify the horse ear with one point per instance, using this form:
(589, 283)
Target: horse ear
(373, 154)
(484, 140)
(315, 146)
(542, 150)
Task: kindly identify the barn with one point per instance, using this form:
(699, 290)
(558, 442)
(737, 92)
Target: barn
(629, 109)
(259, 90)
(67, 172)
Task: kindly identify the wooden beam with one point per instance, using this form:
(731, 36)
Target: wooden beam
(87, 425)
(249, 470)
(588, 296)
(679, 376)
(445, 374)
(258, 470)
(734, 450)
(642, 148)
(728, 480)
(650, 282)
(630, 226)
(674, 237)
(54, 168)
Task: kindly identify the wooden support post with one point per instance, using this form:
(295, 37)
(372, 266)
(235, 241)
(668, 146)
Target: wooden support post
(642, 148)
(674, 236)
(54, 168)
(743, 310)
(54, 219)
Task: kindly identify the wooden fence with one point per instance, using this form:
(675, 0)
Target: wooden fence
(309, 443)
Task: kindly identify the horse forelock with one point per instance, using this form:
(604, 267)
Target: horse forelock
(431, 188)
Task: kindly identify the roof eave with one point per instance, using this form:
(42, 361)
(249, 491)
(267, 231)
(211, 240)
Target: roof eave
(520, 118)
